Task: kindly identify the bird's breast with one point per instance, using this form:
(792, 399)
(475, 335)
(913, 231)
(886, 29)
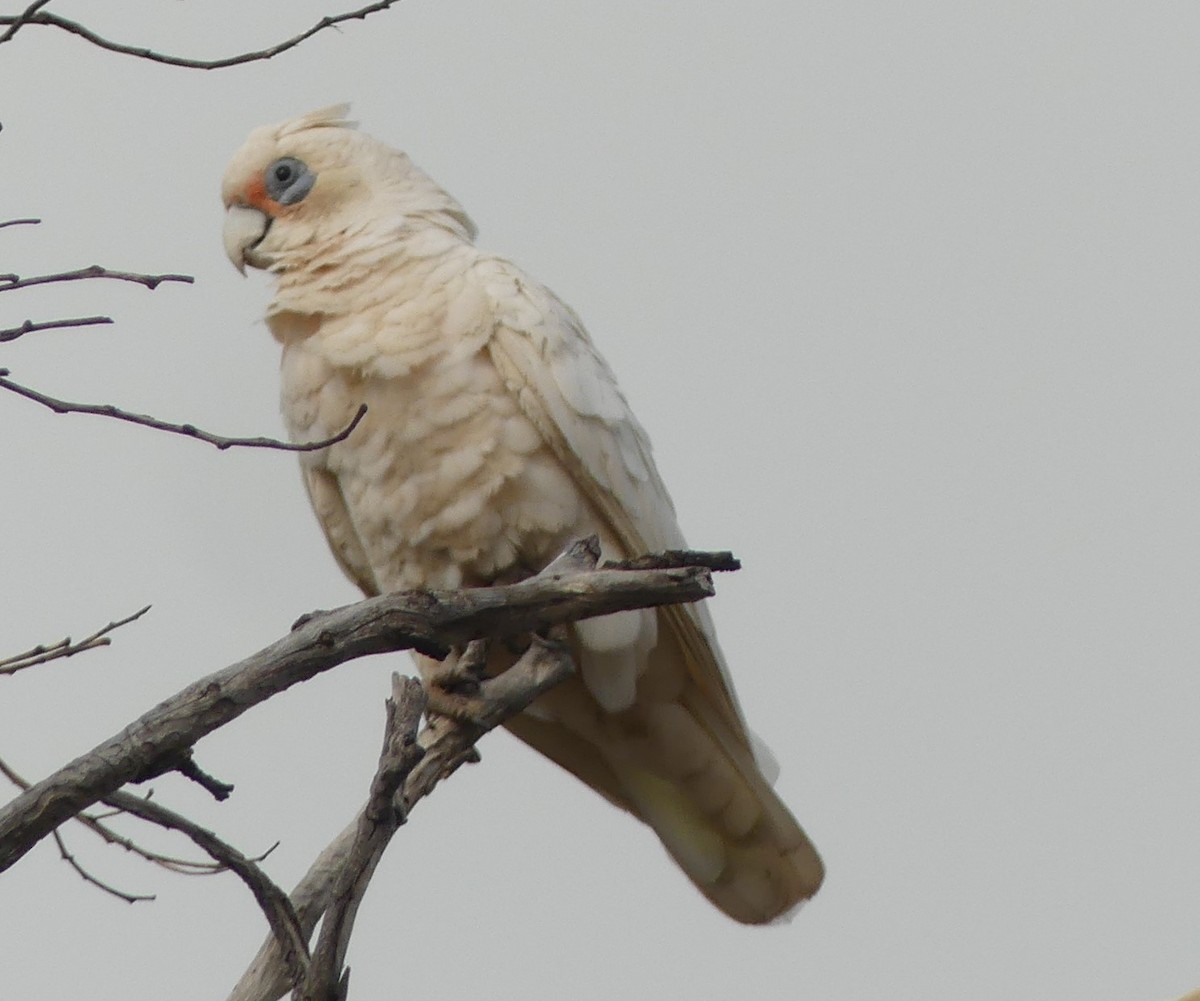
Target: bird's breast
(446, 482)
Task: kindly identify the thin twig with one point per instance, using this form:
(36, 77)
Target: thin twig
(35, 16)
(65, 648)
(225, 858)
(22, 18)
(87, 877)
(8, 282)
(187, 430)
(274, 902)
(93, 822)
(132, 898)
(172, 863)
(29, 326)
(20, 222)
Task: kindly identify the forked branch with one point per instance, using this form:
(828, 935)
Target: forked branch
(65, 648)
(428, 621)
(410, 766)
(335, 885)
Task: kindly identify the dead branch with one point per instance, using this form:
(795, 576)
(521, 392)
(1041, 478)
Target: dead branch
(19, 222)
(65, 648)
(23, 18)
(29, 326)
(379, 820)
(69, 857)
(273, 901)
(720, 561)
(267, 978)
(33, 14)
(428, 621)
(94, 823)
(87, 877)
(337, 880)
(184, 763)
(9, 282)
(187, 430)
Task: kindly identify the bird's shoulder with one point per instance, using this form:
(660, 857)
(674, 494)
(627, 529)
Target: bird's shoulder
(570, 393)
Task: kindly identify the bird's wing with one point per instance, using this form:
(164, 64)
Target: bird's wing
(683, 761)
(568, 391)
(325, 494)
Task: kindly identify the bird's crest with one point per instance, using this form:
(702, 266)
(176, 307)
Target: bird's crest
(333, 116)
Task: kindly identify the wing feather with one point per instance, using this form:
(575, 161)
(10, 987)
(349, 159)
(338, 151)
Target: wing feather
(325, 494)
(569, 392)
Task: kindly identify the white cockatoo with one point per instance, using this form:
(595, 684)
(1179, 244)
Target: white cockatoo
(495, 434)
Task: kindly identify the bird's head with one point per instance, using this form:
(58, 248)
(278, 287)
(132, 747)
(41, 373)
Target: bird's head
(312, 187)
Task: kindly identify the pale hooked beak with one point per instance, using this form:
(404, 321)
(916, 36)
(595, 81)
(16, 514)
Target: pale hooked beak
(244, 229)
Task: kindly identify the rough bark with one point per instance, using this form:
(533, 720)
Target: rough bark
(428, 621)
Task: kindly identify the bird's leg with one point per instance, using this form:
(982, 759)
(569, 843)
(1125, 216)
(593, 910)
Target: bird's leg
(454, 684)
(462, 674)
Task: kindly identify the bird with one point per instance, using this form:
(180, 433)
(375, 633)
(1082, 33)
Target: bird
(495, 434)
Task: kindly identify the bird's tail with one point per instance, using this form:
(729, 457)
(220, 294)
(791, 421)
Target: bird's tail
(677, 762)
(724, 825)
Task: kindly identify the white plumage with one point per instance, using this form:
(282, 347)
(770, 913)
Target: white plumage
(495, 434)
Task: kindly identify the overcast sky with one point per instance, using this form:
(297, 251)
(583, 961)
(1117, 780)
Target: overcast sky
(906, 295)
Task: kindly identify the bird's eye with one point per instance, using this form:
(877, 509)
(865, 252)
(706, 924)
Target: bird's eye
(288, 180)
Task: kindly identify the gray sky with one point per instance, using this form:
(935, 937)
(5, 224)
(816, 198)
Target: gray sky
(906, 296)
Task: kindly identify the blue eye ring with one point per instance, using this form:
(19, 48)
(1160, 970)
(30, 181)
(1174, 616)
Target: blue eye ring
(288, 180)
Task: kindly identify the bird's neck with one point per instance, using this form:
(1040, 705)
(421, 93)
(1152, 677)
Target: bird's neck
(356, 271)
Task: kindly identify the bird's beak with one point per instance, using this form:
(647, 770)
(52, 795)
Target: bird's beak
(244, 229)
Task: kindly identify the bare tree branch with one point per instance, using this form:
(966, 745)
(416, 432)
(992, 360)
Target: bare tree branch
(266, 977)
(379, 820)
(65, 648)
(8, 282)
(172, 863)
(29, 326)
(184, 763)
(69, 857)
(271, 899)
(19, 222)
(93, 822)
(428, 621)
(720, 561)
(187, 430)
(87, 877)
(34, 15)
(410, 767)
(337, 880)
(23, 18)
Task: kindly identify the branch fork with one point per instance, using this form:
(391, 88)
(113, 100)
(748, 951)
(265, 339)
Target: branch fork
(461, 705)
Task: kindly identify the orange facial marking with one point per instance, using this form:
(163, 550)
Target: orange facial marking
(257, 197)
